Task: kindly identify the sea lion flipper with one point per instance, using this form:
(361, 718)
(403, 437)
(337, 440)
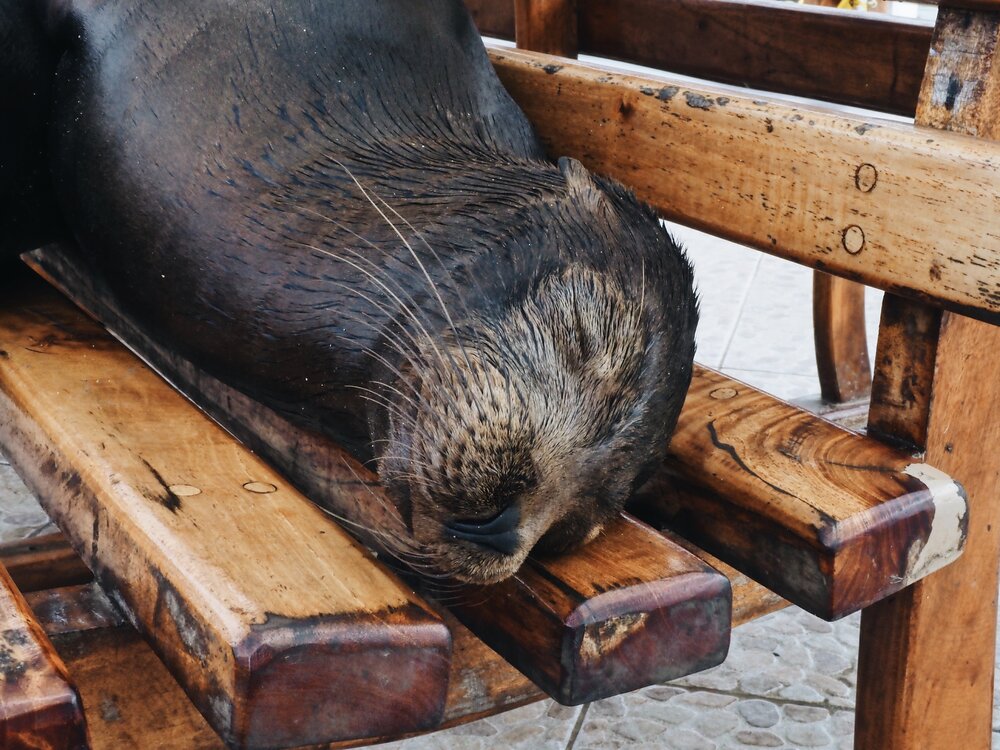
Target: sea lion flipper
(28, 214)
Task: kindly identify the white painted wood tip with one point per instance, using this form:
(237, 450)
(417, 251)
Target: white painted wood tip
(947, 535)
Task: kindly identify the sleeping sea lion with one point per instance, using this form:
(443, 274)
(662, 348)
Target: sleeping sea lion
(337, 208)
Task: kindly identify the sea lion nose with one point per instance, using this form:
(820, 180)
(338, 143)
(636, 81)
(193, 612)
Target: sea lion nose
(498, 533)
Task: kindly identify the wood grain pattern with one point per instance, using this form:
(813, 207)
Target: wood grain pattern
(840, 338)
(828, 519)
(546, 26)
(733, 41)
(672, 618)
(39, 707)
(576, 623)
(888, 204)
(905, 359)
(481, 683)
(927, 655)
(261, 606)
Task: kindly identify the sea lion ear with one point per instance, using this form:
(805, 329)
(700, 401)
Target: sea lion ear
(577, 176)
(581, 183)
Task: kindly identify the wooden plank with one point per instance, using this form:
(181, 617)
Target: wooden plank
(927, 655)
(44, 562)
(493, 17)
(39, 707)
(546, 26)
(865, 60)
(840, 338)
(575, 625)
(608, 634)
(894, 206)
(259, 605)
(104, 655)
(831, 520)
(904, 360)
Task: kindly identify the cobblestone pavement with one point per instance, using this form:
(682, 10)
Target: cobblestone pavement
(789, 680)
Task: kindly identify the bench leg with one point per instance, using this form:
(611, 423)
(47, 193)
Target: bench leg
(925, 677)
(841, 341)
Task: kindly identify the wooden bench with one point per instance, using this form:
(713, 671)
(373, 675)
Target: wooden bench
(257, 622)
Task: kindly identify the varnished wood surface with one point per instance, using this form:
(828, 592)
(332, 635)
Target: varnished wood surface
(829, 519)
(671, 618)
(888, 204)
(575, 625)
(905, 359)
(546, 26)
(39, 707)
(866, 60)
(260, 605)
(103, 664)
(926, 663)
(840, 338)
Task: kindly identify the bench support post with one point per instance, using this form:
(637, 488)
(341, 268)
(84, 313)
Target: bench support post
(925, 677)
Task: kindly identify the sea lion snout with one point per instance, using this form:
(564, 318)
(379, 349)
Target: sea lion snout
(532, 429)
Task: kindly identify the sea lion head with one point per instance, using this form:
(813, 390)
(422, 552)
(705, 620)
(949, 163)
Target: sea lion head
(531, 428)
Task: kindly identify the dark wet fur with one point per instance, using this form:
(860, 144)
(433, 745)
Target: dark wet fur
(217, 161)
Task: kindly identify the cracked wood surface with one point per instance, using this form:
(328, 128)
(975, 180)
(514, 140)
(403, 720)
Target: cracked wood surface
(733, 41)
(39, 707)
(260, 605)
(831, 520)
(895, 206)
(611, 617)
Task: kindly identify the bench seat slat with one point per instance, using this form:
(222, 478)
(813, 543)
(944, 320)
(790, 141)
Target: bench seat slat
(39, 707)
(581, 628)
(254, 599)
(831, 520)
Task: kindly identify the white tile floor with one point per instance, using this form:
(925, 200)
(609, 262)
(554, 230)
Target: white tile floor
(789, 679)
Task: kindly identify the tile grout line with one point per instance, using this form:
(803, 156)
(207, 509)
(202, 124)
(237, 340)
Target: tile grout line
(739, 315)
(578, 726)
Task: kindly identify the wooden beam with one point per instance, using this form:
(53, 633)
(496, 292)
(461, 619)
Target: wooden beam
(926, 663)
(39, 707)
(548, 26)
(260, 606)
(866, 60)
(840, 338)
(829, 519)
(576, 624)
(104, 654)
(898, 207)
(44, 562)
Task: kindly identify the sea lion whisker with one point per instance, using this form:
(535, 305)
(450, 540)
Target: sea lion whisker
(444, 267)
(359, 255)
(433, 287)
(361, 294)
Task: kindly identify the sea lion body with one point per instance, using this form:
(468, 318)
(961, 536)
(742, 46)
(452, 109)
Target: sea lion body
(337, 208)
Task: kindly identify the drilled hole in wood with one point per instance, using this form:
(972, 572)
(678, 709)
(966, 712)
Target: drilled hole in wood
(722, 394)
(853, 239)
(260, 488)
(184, 490)
(866, 178)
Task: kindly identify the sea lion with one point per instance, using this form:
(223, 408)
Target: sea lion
(338, 209)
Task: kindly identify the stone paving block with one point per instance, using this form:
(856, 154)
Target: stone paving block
(20, 514)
